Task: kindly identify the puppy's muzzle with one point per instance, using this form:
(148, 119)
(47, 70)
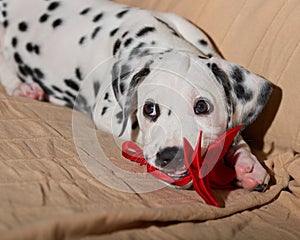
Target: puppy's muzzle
(170, 160)
(169, 155)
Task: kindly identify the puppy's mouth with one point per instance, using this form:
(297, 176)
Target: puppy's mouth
(170, 161)
(176, 175)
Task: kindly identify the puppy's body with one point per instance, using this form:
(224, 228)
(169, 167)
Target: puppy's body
(150, 76)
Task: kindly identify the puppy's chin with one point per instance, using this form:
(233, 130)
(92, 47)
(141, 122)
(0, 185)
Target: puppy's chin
(177, 176)
(174, 169)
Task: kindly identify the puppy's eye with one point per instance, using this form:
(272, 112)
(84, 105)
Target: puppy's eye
(151, 111)
(202, 106)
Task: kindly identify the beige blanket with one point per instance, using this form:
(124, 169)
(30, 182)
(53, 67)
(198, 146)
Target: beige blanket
(47, 192)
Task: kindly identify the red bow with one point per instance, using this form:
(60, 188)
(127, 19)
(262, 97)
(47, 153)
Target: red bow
(205, 171)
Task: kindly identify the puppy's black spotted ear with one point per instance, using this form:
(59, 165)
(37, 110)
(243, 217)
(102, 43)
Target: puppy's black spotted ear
(130, 105)
(246, 93)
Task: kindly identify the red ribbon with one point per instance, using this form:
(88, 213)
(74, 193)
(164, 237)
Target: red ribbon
(206, 170)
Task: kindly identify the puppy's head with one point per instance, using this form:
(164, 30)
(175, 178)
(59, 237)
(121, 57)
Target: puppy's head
(176, 96)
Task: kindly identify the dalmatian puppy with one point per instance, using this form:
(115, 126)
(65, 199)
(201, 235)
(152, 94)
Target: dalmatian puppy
(142, 75)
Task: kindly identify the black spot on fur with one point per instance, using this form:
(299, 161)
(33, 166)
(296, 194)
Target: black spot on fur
(242, 93)
(44, 18)
(21, 79)
(113, 32)
(122, 88)
(14, 42)
(47, 90)
(82, 40)
(98, 17)
(29, 47)
(203, 42)
(125, 34)
(135, 125)
(222, 78)
(36, 49)
(22, 71)
(71, 84)
(115, 79)
(145, 31)
(28, 70)
(85, 11)
(69, 102)
(56, 23)
(55, 88)
(78, 74)
(118, 76)
(38, 73)
(23, 26)
(106, 97)
(121, 14)
(169, 113)
(119, 117)
(117, 46)
(53, 6)
(104, 110)
(96, 88)
(237, 74)
(18, 58)
(264, 94)
(95, 32)
(128, 42)
(137, 78)
(220, 75)
(202, 57)
(5, 23)
(70, 95)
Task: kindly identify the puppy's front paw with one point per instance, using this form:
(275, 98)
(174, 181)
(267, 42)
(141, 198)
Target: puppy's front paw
(250, 173)
(30, 90)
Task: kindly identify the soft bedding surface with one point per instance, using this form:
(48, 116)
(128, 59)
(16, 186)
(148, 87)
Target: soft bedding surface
(47, 192)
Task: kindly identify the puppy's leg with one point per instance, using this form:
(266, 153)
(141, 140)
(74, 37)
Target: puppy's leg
(8, 77)
(11, 82)
(250, 173)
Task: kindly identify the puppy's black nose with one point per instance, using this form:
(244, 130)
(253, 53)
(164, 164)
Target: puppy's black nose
(164, 157)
